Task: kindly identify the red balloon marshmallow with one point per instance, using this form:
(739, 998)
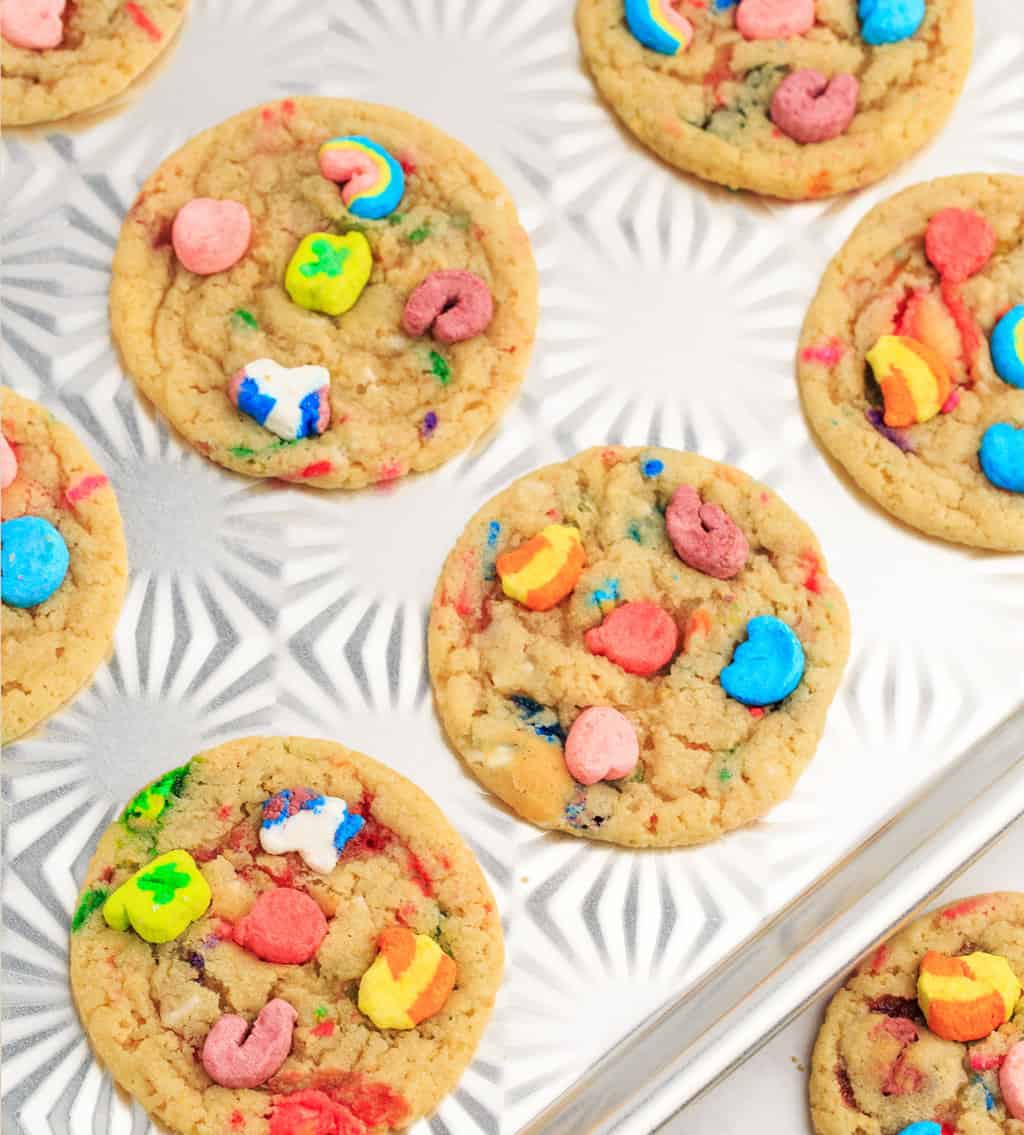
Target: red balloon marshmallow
(639, 637)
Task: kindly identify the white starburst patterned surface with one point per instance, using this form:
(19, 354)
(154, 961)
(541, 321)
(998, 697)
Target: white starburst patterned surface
(669, 315)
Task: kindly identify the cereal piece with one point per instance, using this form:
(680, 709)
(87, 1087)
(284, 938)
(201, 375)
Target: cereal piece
(292, 402)
(602, 745)
(914, 380)
(410, 980)
(452, 304)
(35, 561)
(923, 1127)
(317, 827)
(1002, 457)
(639, 637)
(8, 463)
(328, 273)
(808, 107)
(372, 182)
(889, 21)
(147, 807)
(236, 1063)
(35, 25)
(774, 19)
(768, 666)
(312, 1112)
(543, 571)
(959, 243)
(283, 925)
(1008, 346)
(968, 997)
(1011, 1081)
(659, 25)
(210, 236)
(160, 901)
(704, 536)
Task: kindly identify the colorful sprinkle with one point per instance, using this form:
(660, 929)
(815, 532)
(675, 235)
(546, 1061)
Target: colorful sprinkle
(543, 721)
(245, 318)
(90, 901)
(429, 423)
(491, 550)
(439, 368)
(241, 451)
(608, 592)
(143, 21)
(320, 1012)
(652, 468)
(84, 487)
(420, 234)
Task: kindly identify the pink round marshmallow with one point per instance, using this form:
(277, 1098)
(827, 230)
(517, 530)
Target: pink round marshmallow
(236, 1063)
(810, 108)
(704, 536)
(774, 19)
(8, 463)
(1011, 1081)
(602, 745)
(211, 236)
(457, 304)
(35, 25)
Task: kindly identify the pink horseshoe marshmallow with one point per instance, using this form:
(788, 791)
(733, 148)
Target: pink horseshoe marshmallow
(1011, 1081)
(810, 108)
(774, 19)
(457, 304)
(234, 1063)
(704, 536)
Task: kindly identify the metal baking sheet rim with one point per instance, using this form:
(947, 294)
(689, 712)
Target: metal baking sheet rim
(518, 122)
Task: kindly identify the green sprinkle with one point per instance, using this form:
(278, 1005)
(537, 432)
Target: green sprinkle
(92, 900)
(396, 218)
(439, 368)
(320, 1012)
(246, 318)
(419, 235)
(724, 775)
(241, 451)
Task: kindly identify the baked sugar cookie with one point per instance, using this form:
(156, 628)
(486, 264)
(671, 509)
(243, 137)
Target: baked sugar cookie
(284, 936)
(65, 56)
(64, 568)
(637, 645)
(910, 358)
(798, 99)
(325, 291)
(927, 1036)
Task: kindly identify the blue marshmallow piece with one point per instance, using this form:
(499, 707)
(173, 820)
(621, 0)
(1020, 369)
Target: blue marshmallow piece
(35, 561)
(1008, 346)
(923, 1127)
(768, 666)
(889, 21)
(1002, 457)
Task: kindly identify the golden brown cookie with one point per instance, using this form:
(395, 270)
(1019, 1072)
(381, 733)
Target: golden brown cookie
(149, 1008)
(884, 283)
(510, 683)
(878, 1067)
(708, 109)
(399, 403)
(104, 45)
(50, 650)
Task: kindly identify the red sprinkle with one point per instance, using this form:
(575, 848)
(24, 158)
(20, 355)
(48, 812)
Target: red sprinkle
(237, 1119)
(407, 164)
(983, 1063)
(288, 106)
(958, 910)
(420, 876)
(143, 21)
(951, 402)
(879, 960)
(317, 469)
(652, 822)
(820, 184)
(828, 354)
(84, 488)
(389, 472)
(812, 565)
(325, 1028)
(224, 811)
(755, 711)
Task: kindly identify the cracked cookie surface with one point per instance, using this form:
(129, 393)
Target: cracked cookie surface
(106, 44)
(877, 1068)
(51, 650)
(509, 682)
(398, 404)
(928, 475)
(705, 110)
(148, 1008)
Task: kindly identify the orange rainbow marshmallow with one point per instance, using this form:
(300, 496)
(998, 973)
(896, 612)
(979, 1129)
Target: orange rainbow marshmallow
(966, 998)
(410, 980)
(544, 570)
(914, 380)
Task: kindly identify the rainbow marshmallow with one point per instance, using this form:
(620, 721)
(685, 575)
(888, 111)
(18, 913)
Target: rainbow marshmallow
(1008, 346)
(657, 25)
(543, 571)
(372, 181)
(914, 380)
(410, 980)
(967, 997)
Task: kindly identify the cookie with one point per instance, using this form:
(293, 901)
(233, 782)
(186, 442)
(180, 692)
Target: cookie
(896, 359)
(189, 932)
(65, 566)
(377, 312)
(65, 56)
(880, 1063)
(795, 99)
(641, 581)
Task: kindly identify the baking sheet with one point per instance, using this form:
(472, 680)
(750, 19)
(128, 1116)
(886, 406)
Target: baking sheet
(670, 312)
